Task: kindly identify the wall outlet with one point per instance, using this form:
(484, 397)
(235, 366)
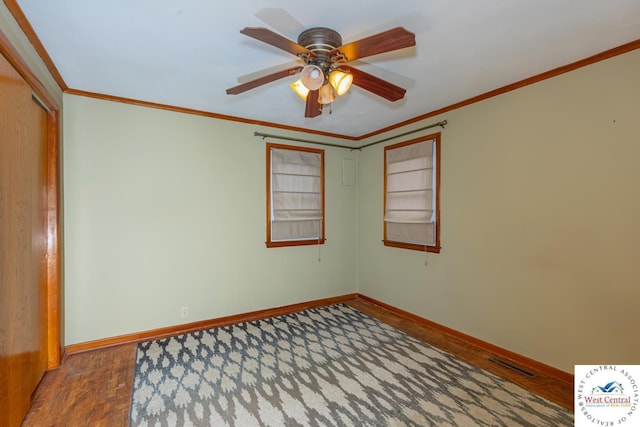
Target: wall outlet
(184, 312)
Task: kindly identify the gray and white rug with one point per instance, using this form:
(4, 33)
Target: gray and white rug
(331, 366)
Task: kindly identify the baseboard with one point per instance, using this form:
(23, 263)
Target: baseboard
(204, 324)
(499, 352)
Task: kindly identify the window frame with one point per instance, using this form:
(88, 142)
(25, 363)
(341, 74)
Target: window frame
(435, 248)
(301, 242)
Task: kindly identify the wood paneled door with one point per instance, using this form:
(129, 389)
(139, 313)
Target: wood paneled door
(24, 243)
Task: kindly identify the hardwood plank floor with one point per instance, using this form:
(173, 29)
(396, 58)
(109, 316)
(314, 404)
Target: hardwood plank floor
(89, 389)
(94, 388)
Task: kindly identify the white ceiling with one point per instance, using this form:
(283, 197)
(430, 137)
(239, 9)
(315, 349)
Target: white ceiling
(186, 53)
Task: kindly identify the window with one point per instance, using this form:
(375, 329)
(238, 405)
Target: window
(412, 194)
(295, 196)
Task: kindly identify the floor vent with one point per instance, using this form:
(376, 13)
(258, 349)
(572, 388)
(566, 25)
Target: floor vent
(512, 367)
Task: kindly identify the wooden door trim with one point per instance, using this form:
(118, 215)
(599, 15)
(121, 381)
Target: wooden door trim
(14, 58)
(54, 248)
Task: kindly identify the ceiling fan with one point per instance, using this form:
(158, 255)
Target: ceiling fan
(325, 73)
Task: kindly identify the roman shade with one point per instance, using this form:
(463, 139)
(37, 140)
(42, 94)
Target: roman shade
(296, 208)
(410, 199)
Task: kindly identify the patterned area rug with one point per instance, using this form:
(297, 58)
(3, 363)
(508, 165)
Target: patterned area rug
(331, 366)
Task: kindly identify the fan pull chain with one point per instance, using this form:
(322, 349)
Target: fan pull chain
(426, 256)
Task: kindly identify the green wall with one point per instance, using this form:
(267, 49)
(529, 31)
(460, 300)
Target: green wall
(165, 210)
(540, 211)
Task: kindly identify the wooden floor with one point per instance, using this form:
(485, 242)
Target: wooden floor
(94, 388)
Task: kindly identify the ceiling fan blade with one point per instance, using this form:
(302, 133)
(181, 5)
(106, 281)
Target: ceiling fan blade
(269, 70)
(263, 80)
(275, 39)
(375, 85)
(313, 107)
(280, 20)
(396, 38)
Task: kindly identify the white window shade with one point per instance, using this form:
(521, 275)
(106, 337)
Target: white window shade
(410, 193)
(296, 195)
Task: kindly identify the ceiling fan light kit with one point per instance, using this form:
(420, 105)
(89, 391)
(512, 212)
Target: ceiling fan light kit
(300, 89)
(312, 77)
(340, 81)
(327, 95)
(325, 74)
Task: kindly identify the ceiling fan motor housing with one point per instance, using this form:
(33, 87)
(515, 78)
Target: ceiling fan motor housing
(320, 41)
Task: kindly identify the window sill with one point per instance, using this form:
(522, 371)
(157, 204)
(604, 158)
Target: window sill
(294, 243)
(412, 246)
